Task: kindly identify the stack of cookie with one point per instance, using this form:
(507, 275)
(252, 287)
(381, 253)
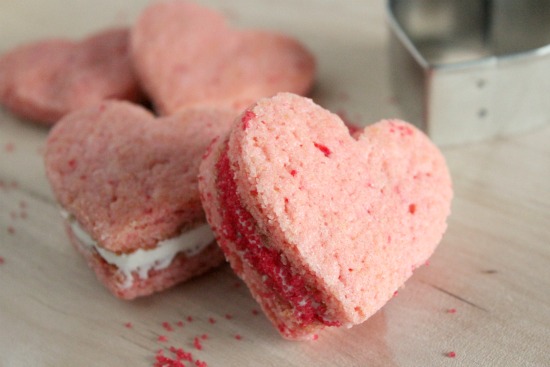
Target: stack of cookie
(233, 162)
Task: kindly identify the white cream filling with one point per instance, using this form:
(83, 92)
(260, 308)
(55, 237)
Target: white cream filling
(142, 261)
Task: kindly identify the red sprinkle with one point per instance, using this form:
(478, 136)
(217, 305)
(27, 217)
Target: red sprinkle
(315, 337)
(326, 151)
(248, 115)
(204, 336)
(189, 319)
(179, 323)
(211, 320)
(128, 325)
(166, 325)
(293, 172)
(162, 338)
(255, 312)
(181, 355)
(228, 316)
(238, 337)
(412, 208)
(451, 354)
(451, 310)
(10, 147)
(395, 293)
(197, 343)
(200, 363)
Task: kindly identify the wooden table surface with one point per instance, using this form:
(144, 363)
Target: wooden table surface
(484, 296)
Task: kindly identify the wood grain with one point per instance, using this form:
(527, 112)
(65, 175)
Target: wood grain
(484, 296)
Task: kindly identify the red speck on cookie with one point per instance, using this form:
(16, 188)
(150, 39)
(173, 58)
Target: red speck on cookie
(248, 115)
(228, 316)
(211, 320)
(11, 230)
(326, 151)
(395, 293)
(166, 325)
(128, 325)
(2, 260)
(238, 337)
(451, 310)
(293, 173)
(179, 323)
(200, 363)
(189, 319)
(72, 163)
(255, 312)
(451, 354)
(412, 208)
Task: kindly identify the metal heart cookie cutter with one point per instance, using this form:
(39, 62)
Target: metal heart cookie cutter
(468, 70)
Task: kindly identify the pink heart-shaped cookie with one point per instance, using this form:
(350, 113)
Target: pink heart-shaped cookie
(127, 184)
(323, 227)
(45, 80)
(187, 55)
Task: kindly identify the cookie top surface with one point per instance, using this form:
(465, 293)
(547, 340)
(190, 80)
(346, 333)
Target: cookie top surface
(358, 214)
(187, 55)
(45, 80)
(131, 179)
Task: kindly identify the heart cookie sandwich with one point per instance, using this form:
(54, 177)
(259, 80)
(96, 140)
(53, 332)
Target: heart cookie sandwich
(126, 183)
(323, 226)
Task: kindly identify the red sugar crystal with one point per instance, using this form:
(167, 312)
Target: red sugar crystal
(200, 363)
(197, 343)
(10, 147)
(181, 355)
(451, 354)
(166, 325)
(238, 337)
(248, 115)
(412, 208)
(326, 151)
(189, 319)
(395, 293)
(293, 172)
(128, 325)
(451, 310)
(179, 323)
(211, 320)
(162, 338)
